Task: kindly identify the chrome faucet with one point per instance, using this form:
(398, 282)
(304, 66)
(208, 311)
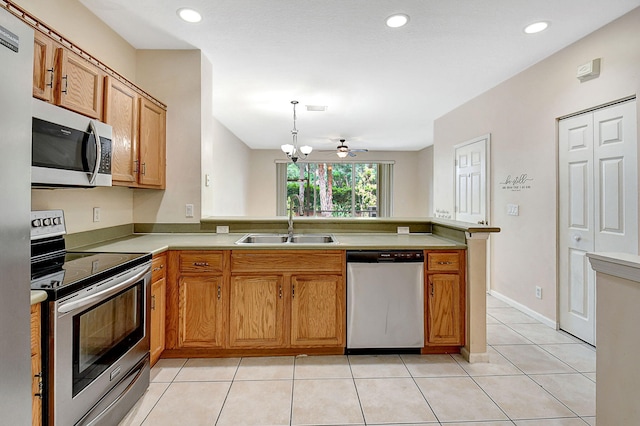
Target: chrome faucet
(300, 212)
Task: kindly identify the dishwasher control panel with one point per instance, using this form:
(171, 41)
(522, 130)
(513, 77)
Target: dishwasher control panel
(364, 256)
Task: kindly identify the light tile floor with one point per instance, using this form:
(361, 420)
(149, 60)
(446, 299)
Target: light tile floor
(536, 377)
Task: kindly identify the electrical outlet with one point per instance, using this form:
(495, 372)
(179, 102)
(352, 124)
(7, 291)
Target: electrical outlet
(539, 292)
(207, 179)
(222, 229)
(188, 211)
(403, 229)
(96, 214)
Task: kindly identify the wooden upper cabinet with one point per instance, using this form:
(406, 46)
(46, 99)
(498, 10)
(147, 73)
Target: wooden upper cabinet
(152, 144)
(317, 310)
(79, 85)
(43, 66)
(121, 112)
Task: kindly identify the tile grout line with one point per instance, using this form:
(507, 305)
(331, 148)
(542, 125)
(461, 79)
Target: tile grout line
(420, 390)
(364, 419)
(529, 375)
(228, 391)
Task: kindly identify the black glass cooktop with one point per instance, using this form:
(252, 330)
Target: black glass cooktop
(71, 271)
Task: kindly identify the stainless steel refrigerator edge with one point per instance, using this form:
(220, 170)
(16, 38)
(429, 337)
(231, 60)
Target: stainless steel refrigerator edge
(16, 69)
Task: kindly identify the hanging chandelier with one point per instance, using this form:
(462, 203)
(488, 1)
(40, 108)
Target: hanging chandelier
(292, 150)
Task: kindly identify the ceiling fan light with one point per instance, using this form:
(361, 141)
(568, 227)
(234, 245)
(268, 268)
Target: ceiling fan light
(287, 148)
(306, 149)
(342, 154)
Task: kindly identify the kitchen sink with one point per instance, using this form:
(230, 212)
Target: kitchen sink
(263, 239)
(286, 239)
(312, 239)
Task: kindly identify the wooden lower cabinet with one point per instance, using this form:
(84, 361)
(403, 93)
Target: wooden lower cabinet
(318, 310)
(197, 290)
(158, 306)
(36, 365)
(445, 298)
(256, 317)
(200, 312)
(230, 303)
(445, 316)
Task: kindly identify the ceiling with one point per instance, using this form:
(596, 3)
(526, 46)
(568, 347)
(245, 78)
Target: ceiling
(384, 87)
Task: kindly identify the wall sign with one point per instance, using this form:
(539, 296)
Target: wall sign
(518, 182)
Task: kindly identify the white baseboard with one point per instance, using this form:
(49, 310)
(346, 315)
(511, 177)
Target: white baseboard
(519, 306)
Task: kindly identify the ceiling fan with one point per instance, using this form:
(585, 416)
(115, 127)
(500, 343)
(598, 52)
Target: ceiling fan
(343, 150)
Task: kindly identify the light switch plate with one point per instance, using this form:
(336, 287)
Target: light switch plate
(222, 229)
(513, 209)
(188, 211)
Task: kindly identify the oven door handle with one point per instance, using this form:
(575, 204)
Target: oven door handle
(88, 300)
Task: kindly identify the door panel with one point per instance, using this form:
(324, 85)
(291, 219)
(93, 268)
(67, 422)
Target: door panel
(615, 133)
(598, 205)
(471, 178)
(576, 225)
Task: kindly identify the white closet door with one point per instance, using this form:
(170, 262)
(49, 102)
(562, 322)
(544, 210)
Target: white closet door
(471, 181)
(598, 205)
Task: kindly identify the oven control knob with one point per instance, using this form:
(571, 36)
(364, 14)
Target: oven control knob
(57, 221)
(46, 221)
(36, 223)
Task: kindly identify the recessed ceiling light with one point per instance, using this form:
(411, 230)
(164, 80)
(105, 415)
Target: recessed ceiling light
(536, 27)
(189, 15)
(398, 20)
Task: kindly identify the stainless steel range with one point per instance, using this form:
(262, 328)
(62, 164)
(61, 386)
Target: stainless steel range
(96, 326)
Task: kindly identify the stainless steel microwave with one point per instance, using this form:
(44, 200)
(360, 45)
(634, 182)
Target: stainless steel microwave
(69, 149)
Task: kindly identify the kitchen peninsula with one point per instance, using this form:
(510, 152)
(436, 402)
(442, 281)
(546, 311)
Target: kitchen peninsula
(217, 258)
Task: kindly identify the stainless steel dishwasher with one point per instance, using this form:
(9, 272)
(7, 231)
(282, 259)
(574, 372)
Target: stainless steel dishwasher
(385, 301)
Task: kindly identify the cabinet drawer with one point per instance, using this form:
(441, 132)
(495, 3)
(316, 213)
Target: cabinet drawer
(201, 261)
(288, 260)
(443, 261)
(158, 267)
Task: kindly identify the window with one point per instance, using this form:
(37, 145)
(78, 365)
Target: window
(336, 189)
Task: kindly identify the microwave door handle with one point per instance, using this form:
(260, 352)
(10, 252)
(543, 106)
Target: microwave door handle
(96, 167)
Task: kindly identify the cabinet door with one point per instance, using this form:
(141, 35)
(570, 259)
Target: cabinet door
(158, 307)
(256, 314)
(79, 86)
(121, 112)
(43, 67)
(152, 144)
(317, 310)
(445, 310)
(200, 312)
(36, 365)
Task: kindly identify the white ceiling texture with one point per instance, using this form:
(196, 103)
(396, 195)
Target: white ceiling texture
(383, 87)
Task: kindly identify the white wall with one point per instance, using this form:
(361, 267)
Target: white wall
(425, 182)
(521, 115)
(408, 191)
(173, 76)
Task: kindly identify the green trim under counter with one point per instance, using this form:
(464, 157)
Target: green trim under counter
(95, 236)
